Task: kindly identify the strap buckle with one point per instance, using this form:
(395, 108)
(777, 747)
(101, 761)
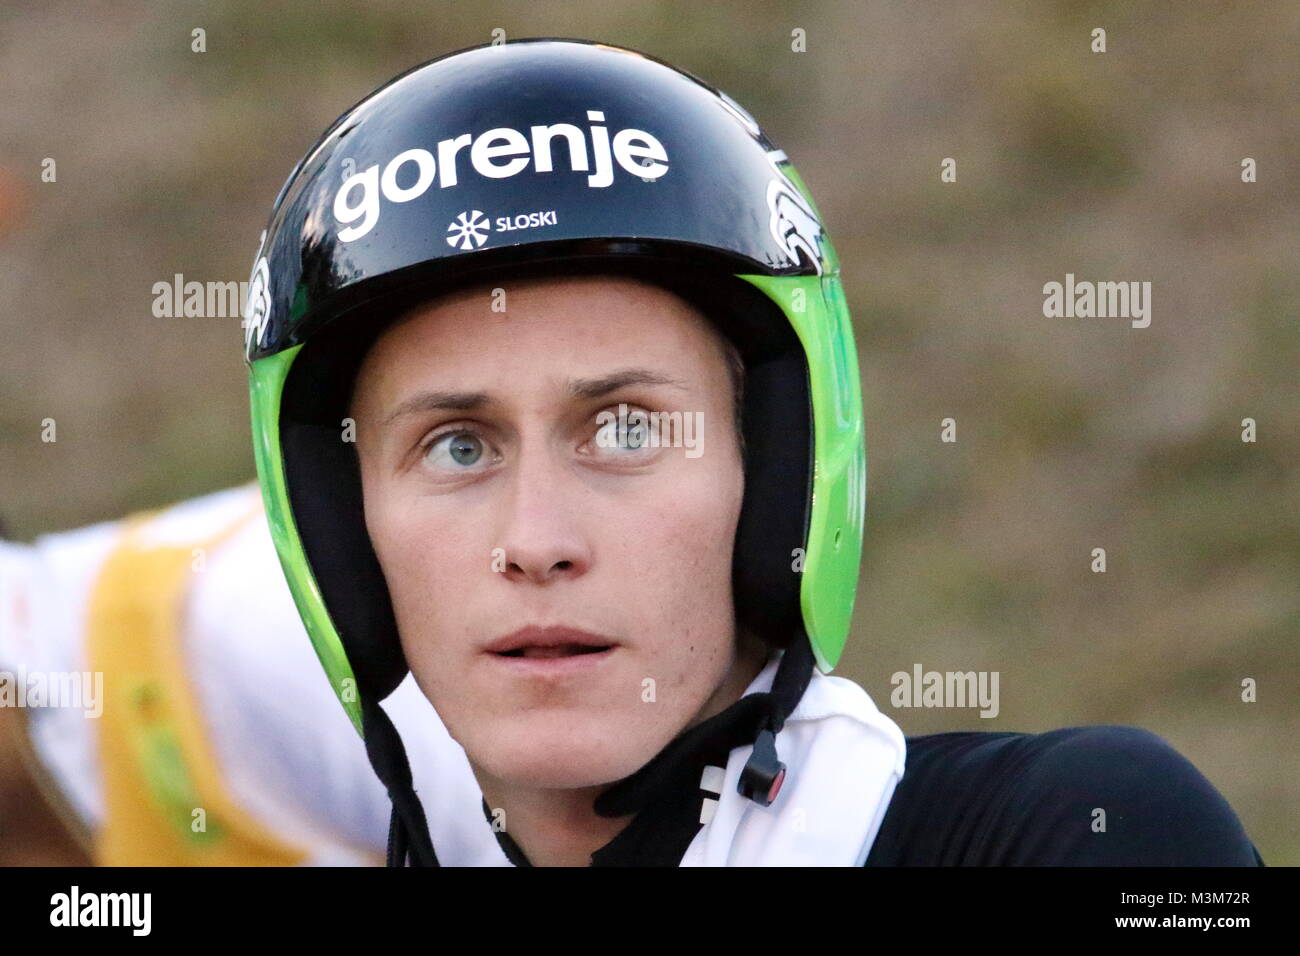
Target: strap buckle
(764, 774)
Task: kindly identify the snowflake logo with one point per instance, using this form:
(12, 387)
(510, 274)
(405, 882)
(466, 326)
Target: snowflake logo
(469, 231)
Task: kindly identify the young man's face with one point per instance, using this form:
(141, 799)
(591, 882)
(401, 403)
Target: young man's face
(495, 502)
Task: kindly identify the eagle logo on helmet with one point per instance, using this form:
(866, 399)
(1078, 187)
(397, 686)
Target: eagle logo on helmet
(793, 224)
(257, 308)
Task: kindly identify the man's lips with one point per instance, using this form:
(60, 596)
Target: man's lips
(549, 642)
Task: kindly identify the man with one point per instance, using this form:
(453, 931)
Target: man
(474, 292)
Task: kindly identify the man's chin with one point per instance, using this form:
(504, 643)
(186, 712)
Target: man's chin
(537, 763)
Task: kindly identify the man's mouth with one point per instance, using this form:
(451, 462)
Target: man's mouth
(559, 650)
(541, 643)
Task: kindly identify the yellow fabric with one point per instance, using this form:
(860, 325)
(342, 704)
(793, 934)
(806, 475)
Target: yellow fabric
(164, 801)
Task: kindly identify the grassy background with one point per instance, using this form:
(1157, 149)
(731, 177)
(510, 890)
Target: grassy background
(1073, 433)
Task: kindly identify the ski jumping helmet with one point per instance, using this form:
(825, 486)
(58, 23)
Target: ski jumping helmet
(551, 156)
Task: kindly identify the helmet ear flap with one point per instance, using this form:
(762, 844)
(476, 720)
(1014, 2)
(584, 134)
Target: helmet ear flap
(323, 480)
(773, 519)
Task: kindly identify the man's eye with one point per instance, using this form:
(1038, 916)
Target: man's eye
(629, 432)
(630, 438)
(456, 450)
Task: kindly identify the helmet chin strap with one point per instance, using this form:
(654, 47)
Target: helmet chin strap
(764, 773)
(754, 719)
(408, 830)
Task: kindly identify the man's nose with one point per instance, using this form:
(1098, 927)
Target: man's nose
(542, 521)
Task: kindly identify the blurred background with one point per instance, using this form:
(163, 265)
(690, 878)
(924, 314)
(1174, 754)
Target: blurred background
(1072, 433)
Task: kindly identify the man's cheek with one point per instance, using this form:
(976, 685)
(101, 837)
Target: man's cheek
(698, 550)
(430, 553)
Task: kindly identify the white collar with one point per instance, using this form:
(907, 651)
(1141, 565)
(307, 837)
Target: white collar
(843, 758)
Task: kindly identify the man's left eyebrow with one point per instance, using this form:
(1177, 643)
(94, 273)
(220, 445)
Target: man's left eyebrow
(435, 401)
(598, 387)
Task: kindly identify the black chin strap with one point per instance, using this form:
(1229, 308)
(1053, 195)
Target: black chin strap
(408, 830)
(754, 719)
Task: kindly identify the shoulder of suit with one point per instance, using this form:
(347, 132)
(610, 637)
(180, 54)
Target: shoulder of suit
(197, 519)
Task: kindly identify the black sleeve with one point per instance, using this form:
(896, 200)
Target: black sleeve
(1081, 796)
